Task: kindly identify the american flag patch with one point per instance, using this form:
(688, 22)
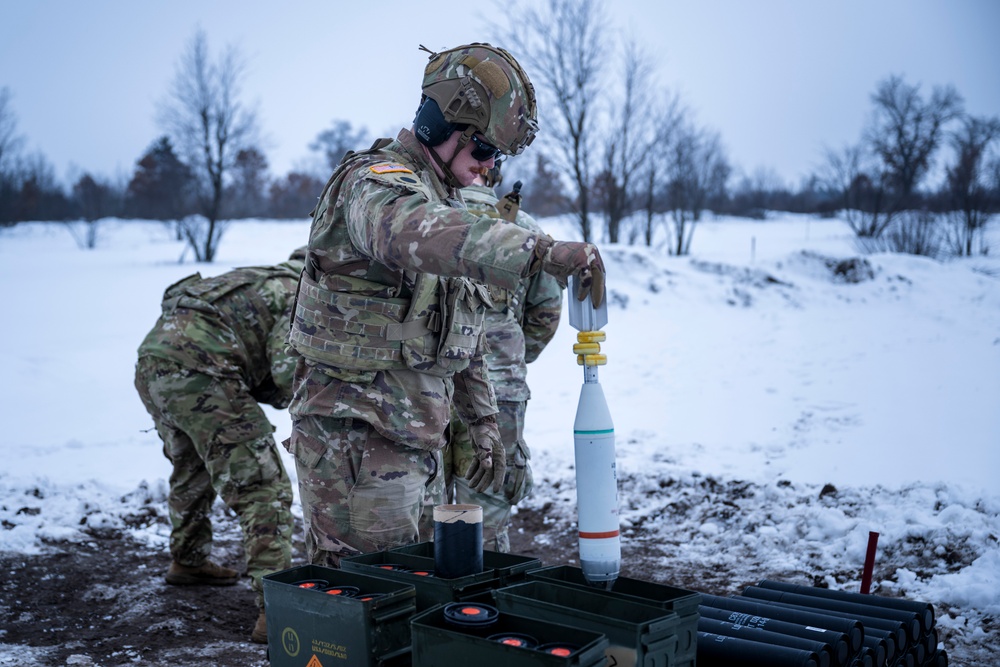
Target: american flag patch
(390, 168)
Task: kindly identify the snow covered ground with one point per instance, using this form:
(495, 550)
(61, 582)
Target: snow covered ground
(767, 411)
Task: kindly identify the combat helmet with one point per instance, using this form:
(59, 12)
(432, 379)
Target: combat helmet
(477, 88)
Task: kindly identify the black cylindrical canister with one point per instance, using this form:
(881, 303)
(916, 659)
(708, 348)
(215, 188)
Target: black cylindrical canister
(722, 651)
(910, 619)
(470, 614)
(313, 584)
(839, 642)
(850, 627)
(924, 610)
(822, 650)
(343, 591)
(879, 648)
(895, 634)
(458, 540)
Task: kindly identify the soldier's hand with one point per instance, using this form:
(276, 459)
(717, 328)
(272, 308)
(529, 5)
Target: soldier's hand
(490, 463)
(569, 258)
(519, 478)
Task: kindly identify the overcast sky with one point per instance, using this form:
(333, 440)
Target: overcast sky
(780, 80)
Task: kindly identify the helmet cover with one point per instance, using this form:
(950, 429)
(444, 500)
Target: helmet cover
(484, 87)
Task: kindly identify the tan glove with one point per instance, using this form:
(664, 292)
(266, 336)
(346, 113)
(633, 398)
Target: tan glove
(567, 258)
(490, 463)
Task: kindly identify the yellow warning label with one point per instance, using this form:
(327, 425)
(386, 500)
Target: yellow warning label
(314, 662)
(327, 649)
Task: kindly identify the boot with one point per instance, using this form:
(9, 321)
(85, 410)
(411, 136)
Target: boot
(259, 634)
(208, 574)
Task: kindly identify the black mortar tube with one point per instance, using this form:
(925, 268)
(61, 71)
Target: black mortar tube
(850, 627)
(840, 643)
(823, 651)
(879, 649)
(722, 651)
(923, 610)
(881, 627)
(909, 619)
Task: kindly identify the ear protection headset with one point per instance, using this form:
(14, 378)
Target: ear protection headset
(430, 125)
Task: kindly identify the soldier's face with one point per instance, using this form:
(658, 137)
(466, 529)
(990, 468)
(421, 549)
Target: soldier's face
(465, 167)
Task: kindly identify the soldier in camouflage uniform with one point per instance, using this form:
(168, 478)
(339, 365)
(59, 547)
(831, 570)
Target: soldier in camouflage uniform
(518, 327)
(217, 350)
(390, 308)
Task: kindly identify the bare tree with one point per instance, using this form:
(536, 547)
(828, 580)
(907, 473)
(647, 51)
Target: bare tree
(629, 139)
(669, 118)
(94, 199)
(10, 140)
(906, 131)
(562, 46)
(861, 185)
(210, 125)
(878, 179)
(698, 170)
(337, 140)
(973, 198)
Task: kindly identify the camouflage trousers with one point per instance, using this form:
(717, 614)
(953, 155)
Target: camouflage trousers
(360, 491)
(220, 444)
(452, 487)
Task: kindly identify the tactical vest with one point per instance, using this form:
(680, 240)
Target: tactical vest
(436, 330)
(343, 320)
(232, 298)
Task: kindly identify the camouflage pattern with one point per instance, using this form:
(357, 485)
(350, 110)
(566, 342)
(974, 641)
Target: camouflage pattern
(484, 87)
(360, 491)
(518, 327)
(215, 353)
(523, 320)
(384, 219)
(233, 326)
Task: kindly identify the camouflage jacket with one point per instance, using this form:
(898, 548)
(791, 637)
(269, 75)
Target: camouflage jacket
(232, 325)
(522, 321)
(384, 220)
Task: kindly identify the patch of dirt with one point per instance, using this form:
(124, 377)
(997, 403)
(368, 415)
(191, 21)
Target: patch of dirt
(104, 603)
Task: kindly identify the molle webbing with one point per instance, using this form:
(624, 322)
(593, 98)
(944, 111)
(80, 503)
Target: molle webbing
(354, 331)
(233, 298)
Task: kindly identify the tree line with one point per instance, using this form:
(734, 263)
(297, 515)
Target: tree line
(620, 152)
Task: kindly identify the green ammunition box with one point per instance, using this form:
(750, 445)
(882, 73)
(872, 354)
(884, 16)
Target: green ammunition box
(678, 600)
(508, 568)
(308, 627)
(438, 643)
(638, 633)
(430, 590)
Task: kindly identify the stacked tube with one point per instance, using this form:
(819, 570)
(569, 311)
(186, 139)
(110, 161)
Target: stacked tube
(778, 624)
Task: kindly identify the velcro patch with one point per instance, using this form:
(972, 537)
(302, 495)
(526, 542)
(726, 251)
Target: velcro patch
(390, 168)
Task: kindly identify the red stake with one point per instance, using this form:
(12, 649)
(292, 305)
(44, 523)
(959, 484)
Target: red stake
(866, 576)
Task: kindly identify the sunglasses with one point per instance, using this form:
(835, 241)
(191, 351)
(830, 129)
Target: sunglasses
(482, 151)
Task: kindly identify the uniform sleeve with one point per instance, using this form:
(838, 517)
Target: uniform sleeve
(542, 310)
(542, 304)
(474, 395)
(280, 355)
(394, 218)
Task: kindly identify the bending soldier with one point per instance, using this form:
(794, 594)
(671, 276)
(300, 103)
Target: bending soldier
(389, 315)
(218, 350)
